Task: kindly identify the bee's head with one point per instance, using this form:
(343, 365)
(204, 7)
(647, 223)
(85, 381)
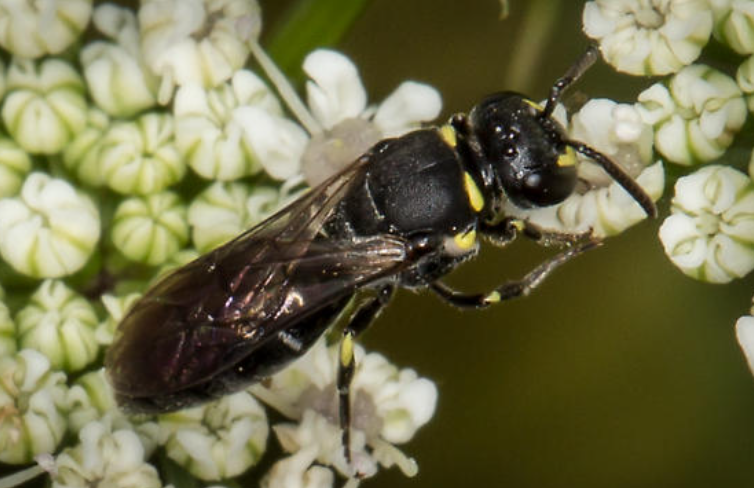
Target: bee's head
(526, 153)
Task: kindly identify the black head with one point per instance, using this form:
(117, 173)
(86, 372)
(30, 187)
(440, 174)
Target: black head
(524, 155)
(529, 159)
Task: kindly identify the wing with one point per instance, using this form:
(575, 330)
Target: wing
(215, 311)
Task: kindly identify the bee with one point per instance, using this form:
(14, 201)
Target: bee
(404, 214)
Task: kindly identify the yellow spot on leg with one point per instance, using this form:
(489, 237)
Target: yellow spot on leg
(465, 240)
(493, 297)
(346, 350)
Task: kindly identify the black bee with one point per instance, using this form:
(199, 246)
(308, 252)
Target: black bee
(404, 214)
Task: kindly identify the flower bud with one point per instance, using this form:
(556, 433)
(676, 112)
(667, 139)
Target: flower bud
(209, 132)
(139, 157)
(45, 105)
(219, 440)
(60, 324)
(33, 407)
(105, 456)
(49, 230)
(194, 41)
(33, 29)
(710, 233)
(647, 37)
(150, 229)
(115, 75)
(695, 116)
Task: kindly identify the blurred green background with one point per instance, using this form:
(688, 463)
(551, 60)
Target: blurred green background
(619, 371)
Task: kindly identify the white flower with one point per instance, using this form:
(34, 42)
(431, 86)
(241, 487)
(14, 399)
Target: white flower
(601, 205)
(320, 438)
(32, 407)
(105, 456)
(33, 29)
(648, 37)
(194, 41)
(338, 102)
(139, 157)
(45, 105)
(734, 24)
(745, 336)
(218, 440)
(403, 401)
(114, 71)
(150, 229)
(224, 210)
(388, 406)
(297, 471)
(710, 234)
(60, 324)
(91, 399)
(49, 230)
(276, 142)
(212, 133)
(695, 116)
(14, 166)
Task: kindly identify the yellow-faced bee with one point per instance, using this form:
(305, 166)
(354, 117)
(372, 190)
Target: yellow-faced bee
(404, 214)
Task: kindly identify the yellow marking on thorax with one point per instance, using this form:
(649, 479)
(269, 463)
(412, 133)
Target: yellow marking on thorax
(568, 158)
(465, 240)
(448, 134)
(475, 196)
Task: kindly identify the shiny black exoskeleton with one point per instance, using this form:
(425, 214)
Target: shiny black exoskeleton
(403, 215)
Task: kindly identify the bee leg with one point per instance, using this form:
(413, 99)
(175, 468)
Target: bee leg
(511, 289)
(360, 321)
(509, 228)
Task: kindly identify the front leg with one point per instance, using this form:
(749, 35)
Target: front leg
(507, 229)
(511, 289)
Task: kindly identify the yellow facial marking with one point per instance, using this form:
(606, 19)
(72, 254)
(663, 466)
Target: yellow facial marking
(448, 134)
(465, 240)
(568, 158)
(346, 350)
(475, 196)
(534, 104)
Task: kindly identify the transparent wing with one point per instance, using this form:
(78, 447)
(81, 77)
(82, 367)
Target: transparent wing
(215, 311)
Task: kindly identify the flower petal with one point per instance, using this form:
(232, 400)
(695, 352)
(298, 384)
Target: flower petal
(335, 91)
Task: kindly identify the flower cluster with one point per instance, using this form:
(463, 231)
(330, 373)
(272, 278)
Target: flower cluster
(600, 205)
(389, 406)
(128, 151)
(694, 117)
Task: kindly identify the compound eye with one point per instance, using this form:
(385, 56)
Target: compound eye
(550, 187)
